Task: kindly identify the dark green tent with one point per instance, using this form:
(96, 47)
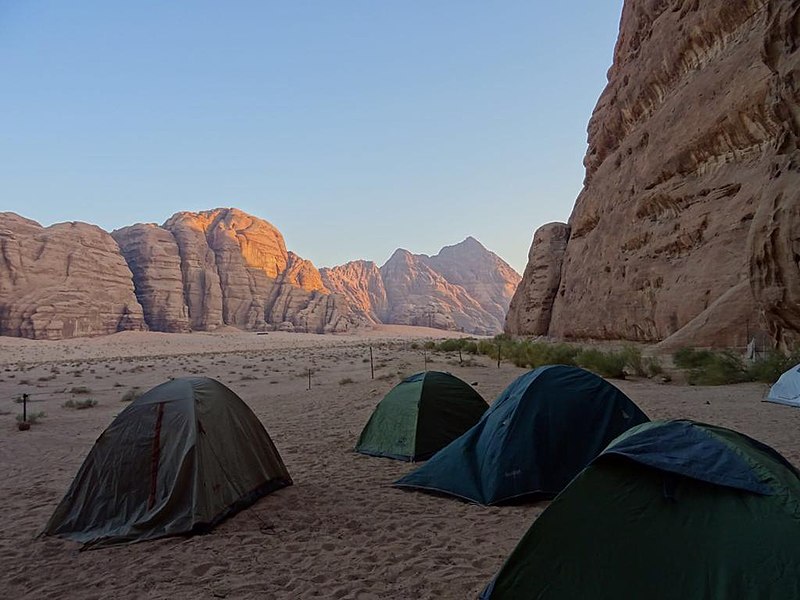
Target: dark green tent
(178, 459)
(671, 510)
(540, 432)
(421, 415)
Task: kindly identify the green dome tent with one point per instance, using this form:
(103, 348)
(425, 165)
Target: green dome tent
(671, 510)
(539, 433)
(179, 459)
(421, 415)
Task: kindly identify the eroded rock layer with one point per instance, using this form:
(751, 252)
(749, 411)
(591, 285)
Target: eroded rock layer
(202, 270)
(153, 258)
(532, 305)
(464, 287)
(361, 284)
(235, 270)
(67, 280)
(690, 188)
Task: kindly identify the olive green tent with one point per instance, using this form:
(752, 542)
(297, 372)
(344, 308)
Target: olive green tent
(179, 459)
(421, 415)
(671, 510)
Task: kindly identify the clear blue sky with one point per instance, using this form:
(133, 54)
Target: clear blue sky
(355, 127)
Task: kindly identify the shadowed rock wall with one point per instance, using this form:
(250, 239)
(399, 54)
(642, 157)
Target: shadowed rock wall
(689, 212)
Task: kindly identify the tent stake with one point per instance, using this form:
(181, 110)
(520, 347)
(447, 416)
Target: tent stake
(371, 364)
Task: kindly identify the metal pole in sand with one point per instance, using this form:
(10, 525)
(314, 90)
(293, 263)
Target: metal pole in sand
(371, 364)
(309, 378)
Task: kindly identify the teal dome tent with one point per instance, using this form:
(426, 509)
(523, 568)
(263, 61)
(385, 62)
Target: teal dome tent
(540, 432)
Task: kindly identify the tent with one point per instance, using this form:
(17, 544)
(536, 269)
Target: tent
(540, 432)
(179, 459)
(787, 389)
(420, 416)
(672, 510)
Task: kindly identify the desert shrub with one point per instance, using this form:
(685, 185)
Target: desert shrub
(414, 346)
(80, 404)
(452, 345)
(488, 348)
(634, 362)
(718, 368)
(689, 358)
(562, 354)
(605, 364)
(346, 381)
(80, 389)
(33, 417)
(471, 347)
(430, 345)
(131, 394)
(531, 355)
(768, 368)
(652, 366)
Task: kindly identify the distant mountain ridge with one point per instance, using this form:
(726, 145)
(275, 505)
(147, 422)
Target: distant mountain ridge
(203, 270)
(464, 287)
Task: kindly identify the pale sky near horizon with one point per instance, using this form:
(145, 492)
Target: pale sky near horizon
(355, 127)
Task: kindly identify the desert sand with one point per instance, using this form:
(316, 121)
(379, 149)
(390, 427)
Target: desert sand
(341, 531)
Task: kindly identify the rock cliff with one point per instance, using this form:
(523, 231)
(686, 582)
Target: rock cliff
(463, 287)
(155, 263)
(532, 305)
(687, 226)
(201, 270)
(361, 284)
(63, 281)
(418, 295)
(232, 269)
(483, 275)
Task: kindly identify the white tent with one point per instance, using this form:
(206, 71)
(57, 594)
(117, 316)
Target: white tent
(787, 389)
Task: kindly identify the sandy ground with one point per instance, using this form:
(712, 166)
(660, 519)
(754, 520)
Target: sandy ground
(341, 531)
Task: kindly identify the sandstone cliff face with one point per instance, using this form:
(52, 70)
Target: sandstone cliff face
(199, 271)
(690, 181)
(418, 295)
(531, 307)
(63, 281)
(482, 274)
(463, 287)
(235, 270)
(361, 284)
(153, 258)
